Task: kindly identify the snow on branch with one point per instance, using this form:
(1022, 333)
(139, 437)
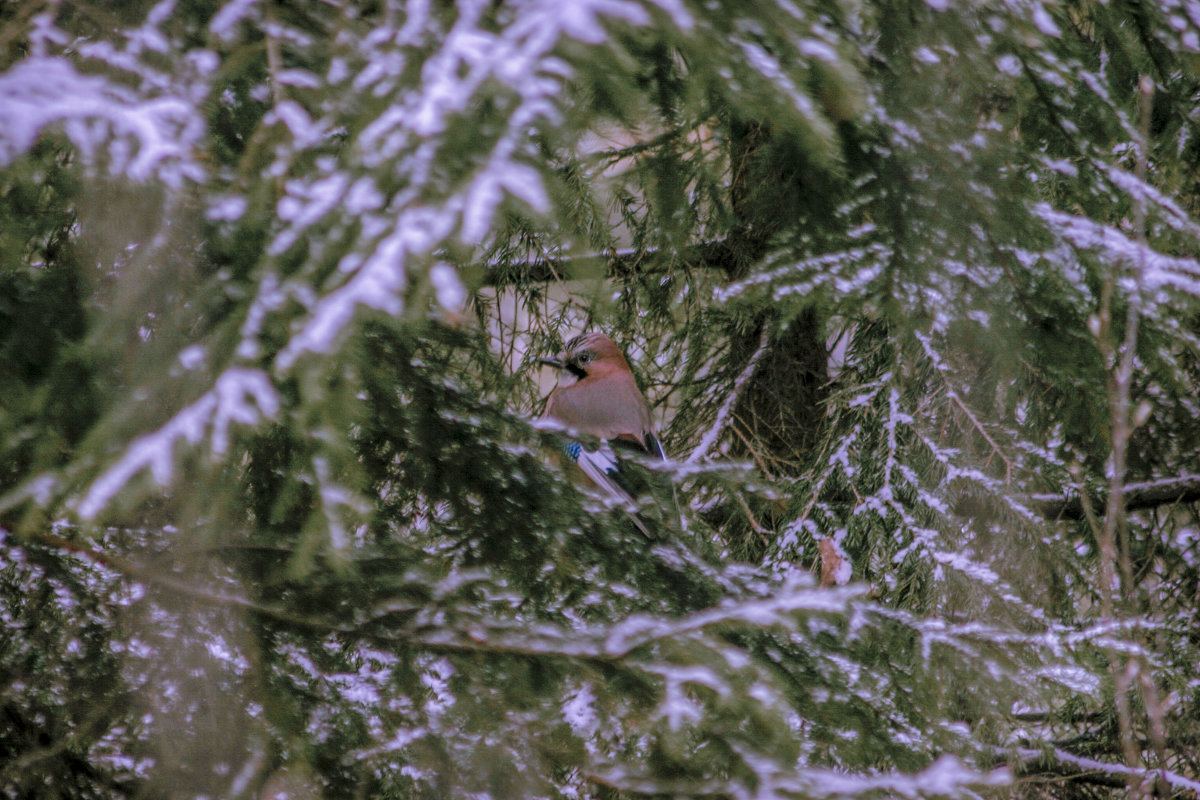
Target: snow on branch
(1141, 190)
(1090, 770)
(714, 433)
(471, 60)
(377, 284)
(946, 777)
(846, 270)
(640, 630)
(1158, 270)
(1150, 494)
(99, 115)
(239, 395)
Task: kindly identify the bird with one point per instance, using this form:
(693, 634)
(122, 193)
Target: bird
(598, 396)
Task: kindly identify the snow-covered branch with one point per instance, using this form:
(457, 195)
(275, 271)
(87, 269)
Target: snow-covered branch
(946, 777)
(1081, 769)
(713, 434)
(1114, 246)
(240, 395)
(140, 137)
(1148, 494)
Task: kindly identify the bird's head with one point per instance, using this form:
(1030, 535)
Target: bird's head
(588, 355)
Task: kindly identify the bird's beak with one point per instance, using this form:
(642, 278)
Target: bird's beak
(552, 362)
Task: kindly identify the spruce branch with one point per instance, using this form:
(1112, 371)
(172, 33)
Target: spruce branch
(713, 435)
(1033, 764)
(714, 254)
(1069, 505)
(601, 645)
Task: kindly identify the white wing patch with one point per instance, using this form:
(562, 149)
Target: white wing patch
(600, 466)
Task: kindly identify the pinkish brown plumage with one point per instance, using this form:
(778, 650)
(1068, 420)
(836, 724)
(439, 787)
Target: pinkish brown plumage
(598, 396)
(603, 400)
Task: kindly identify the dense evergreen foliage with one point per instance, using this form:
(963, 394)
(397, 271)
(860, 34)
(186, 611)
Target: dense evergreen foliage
(911, 285)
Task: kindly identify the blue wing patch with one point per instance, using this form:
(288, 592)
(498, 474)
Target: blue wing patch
(621, 481)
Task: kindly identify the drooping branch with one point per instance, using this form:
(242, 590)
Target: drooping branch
(703, 255)
(1057, 764)
(718, 428)
(1151, 494)
(598, 645)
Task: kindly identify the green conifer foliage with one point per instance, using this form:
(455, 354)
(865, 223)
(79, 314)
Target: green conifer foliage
(912, 288)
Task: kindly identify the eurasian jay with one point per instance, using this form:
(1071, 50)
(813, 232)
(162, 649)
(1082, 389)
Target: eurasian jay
(598, 396)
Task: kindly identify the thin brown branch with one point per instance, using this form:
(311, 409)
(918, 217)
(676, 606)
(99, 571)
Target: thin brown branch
(754, 524)
(1114, 551)
(953, 395)
(737, 430)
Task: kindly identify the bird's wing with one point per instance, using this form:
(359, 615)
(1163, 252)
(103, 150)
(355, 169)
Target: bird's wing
(654, 446)
(603, 468)
(609, 407)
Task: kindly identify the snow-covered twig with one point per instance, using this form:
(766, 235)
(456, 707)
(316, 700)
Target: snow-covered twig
(41, 92)
(1090, 770)
(946, 777)
(713, 435)
(1148, 494)
(239, 395)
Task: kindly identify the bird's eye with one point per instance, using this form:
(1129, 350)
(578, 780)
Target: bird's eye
(586, 357)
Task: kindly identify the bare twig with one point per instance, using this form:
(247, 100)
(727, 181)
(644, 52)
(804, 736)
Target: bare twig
(953, 395)
(758, 459)
(1124, 669)
(274, 57)
(754, 524)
